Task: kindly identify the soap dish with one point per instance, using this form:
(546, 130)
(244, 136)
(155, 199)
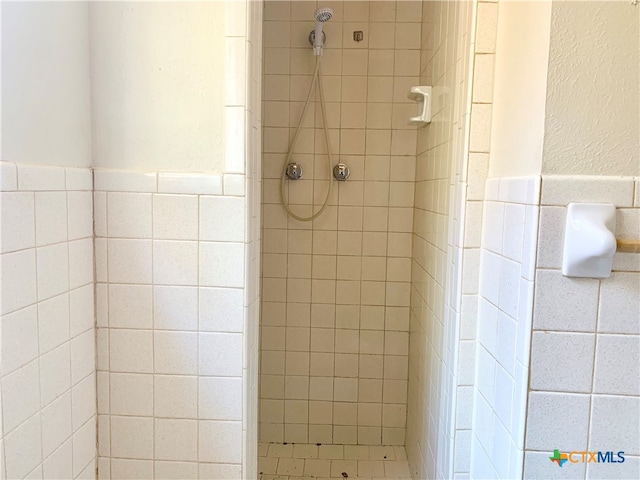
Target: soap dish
(422, 95)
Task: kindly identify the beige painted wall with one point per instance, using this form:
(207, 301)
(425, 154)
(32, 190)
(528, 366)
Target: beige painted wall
(158, 73)
(45, 83)
(566, 96)
(593, 96)
(522, 52)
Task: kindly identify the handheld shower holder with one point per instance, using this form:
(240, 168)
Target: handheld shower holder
(317, 49)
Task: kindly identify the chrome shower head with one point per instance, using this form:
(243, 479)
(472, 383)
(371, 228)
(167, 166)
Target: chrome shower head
(322, 15)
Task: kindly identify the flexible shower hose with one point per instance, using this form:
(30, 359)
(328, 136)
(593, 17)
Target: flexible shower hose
(317, 76)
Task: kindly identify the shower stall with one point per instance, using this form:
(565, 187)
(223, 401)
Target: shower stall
(228, 251)
(236, 244)
(354, 268)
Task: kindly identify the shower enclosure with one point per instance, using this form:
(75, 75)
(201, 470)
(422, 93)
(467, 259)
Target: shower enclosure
(411, 308)
(342, 293)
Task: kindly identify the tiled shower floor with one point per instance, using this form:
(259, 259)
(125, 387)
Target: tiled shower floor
(324, 462)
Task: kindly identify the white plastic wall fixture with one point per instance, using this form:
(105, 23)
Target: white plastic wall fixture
(589, 240)
(422, 95)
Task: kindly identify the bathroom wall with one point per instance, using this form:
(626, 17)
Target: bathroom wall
(469, 236)
(504, 315)
(45, 84)
(438, 261)
(251, 100)
(177, 271)
(47, 377)
(148, 229)
(571, 78)
(335, 311)
(590, 328)
(593, 121)
(521, 65)
(158, 85)
(586, 326)
(170, 272)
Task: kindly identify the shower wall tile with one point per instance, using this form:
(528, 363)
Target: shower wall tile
(47, 379)
(332, 288)
(441, 269)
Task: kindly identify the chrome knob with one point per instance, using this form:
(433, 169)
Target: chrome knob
(341, 172)
(294, 171)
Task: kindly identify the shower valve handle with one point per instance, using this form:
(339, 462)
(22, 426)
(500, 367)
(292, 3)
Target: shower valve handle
(294, 171)
(341, 172)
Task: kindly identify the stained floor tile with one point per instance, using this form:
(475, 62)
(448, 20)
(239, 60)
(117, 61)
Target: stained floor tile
(331, 462)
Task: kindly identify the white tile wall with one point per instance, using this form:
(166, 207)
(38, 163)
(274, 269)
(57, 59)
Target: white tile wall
(335, 293)
(47, 377)
(149, 307)
(441, 271)
(504, 331)
(590, 328)
(467, 188)
(172, 335)
(177, 266)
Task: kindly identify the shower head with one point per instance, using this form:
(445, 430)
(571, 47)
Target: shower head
(322, 15)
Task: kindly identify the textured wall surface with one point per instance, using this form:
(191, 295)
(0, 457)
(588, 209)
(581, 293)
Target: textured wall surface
(593, 119)
(335, 312)
(47, 378)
